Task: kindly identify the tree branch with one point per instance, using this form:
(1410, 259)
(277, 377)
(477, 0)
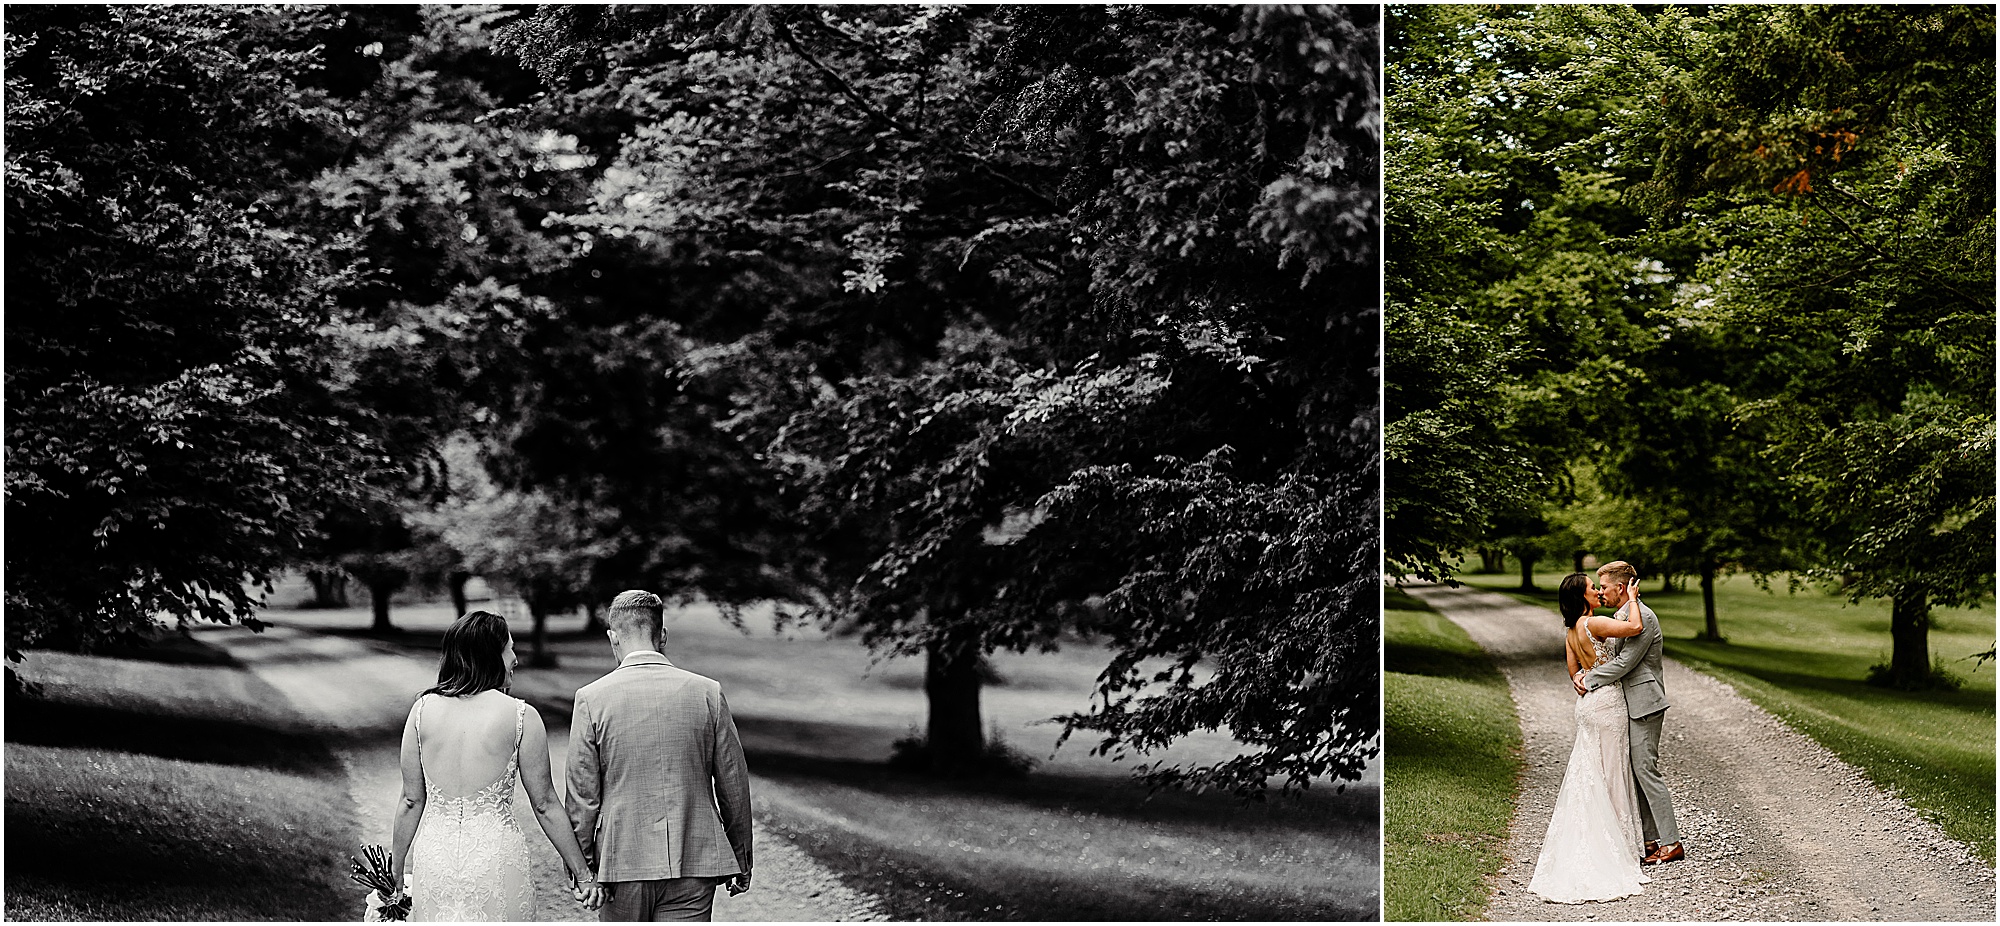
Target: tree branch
(1856, 234)
(874, 112)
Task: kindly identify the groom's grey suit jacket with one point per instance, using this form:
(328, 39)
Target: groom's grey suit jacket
(1635, 665)
(657, 784)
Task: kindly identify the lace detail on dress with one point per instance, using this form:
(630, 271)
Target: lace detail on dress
(1592, 847)
(469, 861)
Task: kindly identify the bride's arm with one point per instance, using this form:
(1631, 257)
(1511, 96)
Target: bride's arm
(539, 781)
(1631, 626)
(410, 807)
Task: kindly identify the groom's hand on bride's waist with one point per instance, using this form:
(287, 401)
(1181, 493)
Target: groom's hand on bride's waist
(1577, 681)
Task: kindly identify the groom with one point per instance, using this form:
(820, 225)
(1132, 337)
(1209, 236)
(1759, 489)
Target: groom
(1635, 666)
(658, 792)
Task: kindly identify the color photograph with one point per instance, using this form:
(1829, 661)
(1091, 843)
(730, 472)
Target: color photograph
(1689, 463)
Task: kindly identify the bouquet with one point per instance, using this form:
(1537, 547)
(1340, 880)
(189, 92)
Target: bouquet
(375, 875)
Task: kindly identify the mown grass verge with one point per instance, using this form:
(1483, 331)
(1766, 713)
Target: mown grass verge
(119, 815)
(1805, 656)
(1452, 766)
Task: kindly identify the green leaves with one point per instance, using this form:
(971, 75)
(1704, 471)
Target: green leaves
(168, 436)
(947, 266)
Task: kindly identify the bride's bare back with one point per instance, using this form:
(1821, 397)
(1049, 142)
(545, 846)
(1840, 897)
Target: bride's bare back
(466, 743)
(1581, 644)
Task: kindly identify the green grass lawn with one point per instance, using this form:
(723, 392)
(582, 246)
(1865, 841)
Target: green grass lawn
(1804, 657)
(1452, 768)
(144, 793)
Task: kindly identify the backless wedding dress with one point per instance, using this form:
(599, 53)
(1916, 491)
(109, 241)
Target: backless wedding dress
(1592, 848)
(469, 860)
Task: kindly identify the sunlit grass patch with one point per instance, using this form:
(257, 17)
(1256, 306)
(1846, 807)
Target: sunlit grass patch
(1452, 766)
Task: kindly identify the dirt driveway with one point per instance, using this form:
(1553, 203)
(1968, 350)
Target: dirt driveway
(1776, 826)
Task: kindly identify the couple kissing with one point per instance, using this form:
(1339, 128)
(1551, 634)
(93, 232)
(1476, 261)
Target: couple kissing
(1613, 814)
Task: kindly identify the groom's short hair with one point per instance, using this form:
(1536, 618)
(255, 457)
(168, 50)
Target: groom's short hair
(638, 611)
(1617, 572)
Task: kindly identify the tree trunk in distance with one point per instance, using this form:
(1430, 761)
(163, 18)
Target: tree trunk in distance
(956, 737)
(1579, 561)
(1492, 560)
(593, 617)
(329, 588)
(540, 657)
(379, 591)
(1708, 600)
(456, 583)
(1527, 572)
(1909, 632)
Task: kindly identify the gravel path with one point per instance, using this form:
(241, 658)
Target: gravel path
(1776, 826)
(357, 695)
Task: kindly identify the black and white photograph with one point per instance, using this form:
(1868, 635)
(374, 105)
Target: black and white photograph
(746, 463)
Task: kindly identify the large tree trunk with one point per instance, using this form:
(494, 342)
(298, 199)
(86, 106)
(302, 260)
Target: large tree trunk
(1492, 559)
(380, 589)
(1909, 633)
(455, 582)
(1527, 571)
(1579, 561)
(593, 617)
(952, 681)
(1714, 631)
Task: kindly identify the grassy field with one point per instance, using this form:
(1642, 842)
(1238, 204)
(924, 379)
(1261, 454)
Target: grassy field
(1452, 770)
(1804, 656)
(146, 791)
(1075, 840)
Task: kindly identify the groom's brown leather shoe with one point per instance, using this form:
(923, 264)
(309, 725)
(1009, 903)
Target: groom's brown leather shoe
(1670, 853)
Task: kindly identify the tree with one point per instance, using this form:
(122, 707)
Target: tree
(439, 211)
(542, 549)
(1846, 152)
(1805, 195)
(985, 293)
(169, 432)
(1513, 282)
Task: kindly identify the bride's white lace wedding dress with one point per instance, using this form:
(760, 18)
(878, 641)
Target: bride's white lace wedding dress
(469, 860)
(1592, 848)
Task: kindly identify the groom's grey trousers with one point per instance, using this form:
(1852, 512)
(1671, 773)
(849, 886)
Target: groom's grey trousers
(665, 900)
(1656, 807)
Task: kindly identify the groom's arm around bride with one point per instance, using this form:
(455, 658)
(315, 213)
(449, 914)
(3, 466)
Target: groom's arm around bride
(1631, 651)
(658, 789)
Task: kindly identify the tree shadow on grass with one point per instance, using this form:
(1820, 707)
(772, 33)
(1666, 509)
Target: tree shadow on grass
(121, 844)
(217, 742)
(913, 886)
(1759, 662)
(1435, 661)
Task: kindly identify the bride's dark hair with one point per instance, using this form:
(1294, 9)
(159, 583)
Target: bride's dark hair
(473, 660)
(1570, 597)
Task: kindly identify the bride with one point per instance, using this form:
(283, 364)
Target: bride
(458, 848)
(1592, 848)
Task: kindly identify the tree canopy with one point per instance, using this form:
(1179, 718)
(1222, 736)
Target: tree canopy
(1044, 321)
(975, 329)
(1790, 349)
